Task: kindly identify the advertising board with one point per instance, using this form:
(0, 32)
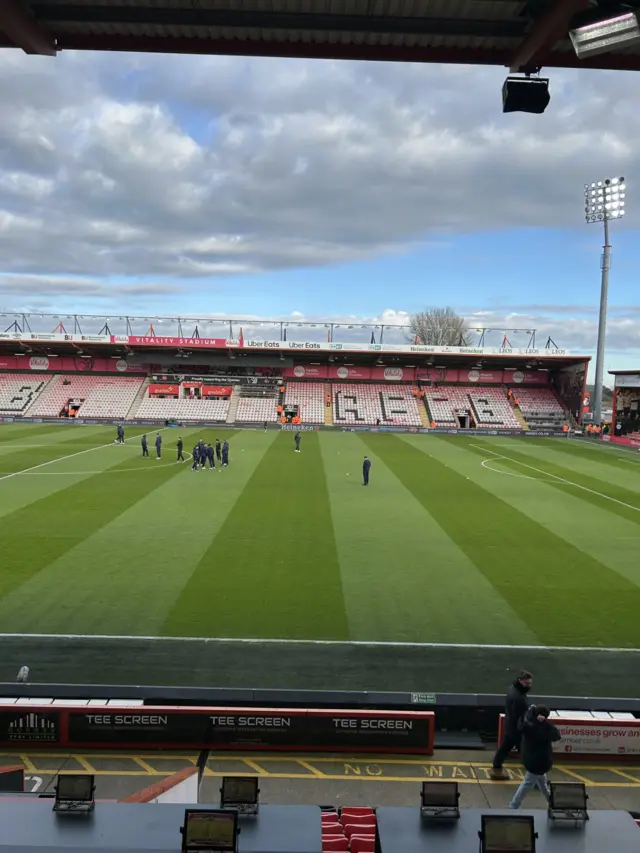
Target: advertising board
(112, 727)
(594, 737)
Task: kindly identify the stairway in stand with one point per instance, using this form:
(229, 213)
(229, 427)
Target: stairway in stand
(520, 417)
(233, 404)
(424, 415)
(328, 415)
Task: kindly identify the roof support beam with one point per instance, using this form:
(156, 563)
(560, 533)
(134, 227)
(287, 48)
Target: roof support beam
(546, 32)
(24, 30)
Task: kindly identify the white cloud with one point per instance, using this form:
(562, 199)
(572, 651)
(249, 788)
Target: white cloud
(214, 166)
(150, 168)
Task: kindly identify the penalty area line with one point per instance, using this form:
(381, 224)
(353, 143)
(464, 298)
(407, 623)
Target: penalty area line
(295, 642)
(558, 478)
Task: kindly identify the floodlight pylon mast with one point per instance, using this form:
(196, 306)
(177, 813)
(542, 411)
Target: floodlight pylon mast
(602, 323)
(604, 201)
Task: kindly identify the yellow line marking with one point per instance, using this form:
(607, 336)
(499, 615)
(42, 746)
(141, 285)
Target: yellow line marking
(28, 764)
(575, 775)
(626, 775)
(310, 768)
(82, 761)
(146, 767)
(255, 766)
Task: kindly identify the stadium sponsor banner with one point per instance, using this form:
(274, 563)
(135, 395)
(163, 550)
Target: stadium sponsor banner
(482, 377)
(417, 349)
(306, 371)
(525, 377)
(217, 390)
(111, 727)
(299, 428)
(158, 341)
(625, 440)
(437, 374)
(69, 364)
(393, 374)
(290, 346)
(582, 737)
(344, 373)
(164, 389)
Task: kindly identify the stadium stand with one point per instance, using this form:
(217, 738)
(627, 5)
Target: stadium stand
(18, 392)
(491, 407)
(111, 399)
(368, 404)
(309, 397)
(103, 396)
(540, 406)
(156, 408)
(443, 402)
(257, 405)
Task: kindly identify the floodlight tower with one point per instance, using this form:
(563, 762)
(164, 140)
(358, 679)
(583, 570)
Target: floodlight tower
(604, 201)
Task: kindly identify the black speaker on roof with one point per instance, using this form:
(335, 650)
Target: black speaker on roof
(525, 95)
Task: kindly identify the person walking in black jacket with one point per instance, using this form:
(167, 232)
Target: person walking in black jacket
(538, 737)
(516, 706)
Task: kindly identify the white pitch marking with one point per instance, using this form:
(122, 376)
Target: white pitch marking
(290, 642)
(72, 455)
(485, 464)
(560, 479)
(107, 471)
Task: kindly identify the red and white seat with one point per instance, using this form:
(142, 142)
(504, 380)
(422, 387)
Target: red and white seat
(539, 402)
(492, 408)
(257, 410)
(443, 402)
(309, 397)
(368, 404)
(157, 408)
(103, 396)
(18, 391)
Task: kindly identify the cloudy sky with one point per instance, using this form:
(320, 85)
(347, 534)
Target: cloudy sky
(306, 189)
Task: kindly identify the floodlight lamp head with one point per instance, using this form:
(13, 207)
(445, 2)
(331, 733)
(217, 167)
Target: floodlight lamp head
(602, 31)
(605, 199)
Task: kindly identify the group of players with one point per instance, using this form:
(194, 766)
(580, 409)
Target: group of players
(202, 453)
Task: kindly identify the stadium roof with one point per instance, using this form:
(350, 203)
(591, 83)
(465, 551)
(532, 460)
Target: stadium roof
(512, 33)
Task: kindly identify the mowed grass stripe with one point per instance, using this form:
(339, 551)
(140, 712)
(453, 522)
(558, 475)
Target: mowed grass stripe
(608, 468)
(272, 570)
(141, 560)
(607, 538)
(605, 495)
(23, 489)
(48, 432)
(563, 594)
(401, 573)
(42, 531)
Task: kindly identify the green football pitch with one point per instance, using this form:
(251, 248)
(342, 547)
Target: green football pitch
(458, 540)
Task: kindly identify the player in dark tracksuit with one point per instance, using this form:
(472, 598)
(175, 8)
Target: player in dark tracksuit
(218, 451)
(158, 446)
(196, 457)
(202, 453)
(225, 453)
(211, 456)
(297, 441)
(145, 446)
(180, 454)
(366, 467)
(120, 438)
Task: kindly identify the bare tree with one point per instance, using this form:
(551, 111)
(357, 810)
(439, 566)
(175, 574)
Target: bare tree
(439, 327)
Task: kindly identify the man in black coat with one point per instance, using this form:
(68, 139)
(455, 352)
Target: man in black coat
(538, 737)
(516, 706)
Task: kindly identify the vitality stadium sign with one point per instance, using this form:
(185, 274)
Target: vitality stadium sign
(220, 728)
